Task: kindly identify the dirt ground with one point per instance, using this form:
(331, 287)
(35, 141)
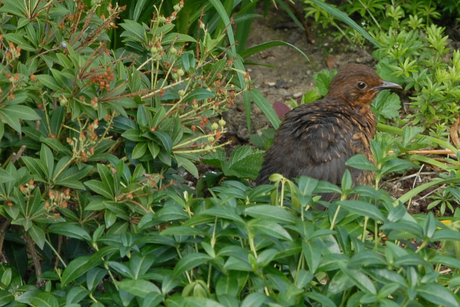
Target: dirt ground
(292, 75)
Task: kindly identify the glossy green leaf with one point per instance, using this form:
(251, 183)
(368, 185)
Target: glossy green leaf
(138, 287)
(189, 262)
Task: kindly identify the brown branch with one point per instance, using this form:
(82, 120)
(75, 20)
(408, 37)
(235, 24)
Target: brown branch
(5, 225)
(34, 254)
(302, 20)
(56, 263)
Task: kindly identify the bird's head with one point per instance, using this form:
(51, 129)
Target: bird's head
(358, 85)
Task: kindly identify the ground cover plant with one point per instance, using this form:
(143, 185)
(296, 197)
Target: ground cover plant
(95, 209)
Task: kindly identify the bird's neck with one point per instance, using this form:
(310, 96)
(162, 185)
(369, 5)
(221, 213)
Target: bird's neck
(368, 118)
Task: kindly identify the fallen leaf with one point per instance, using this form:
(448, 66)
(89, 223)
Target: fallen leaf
(331, 61)
(280, 109)
(454, 132)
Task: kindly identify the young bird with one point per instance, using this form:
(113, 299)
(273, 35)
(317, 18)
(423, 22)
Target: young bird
(316, 139)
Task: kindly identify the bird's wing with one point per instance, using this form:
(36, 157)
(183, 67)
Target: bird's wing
(315, 141)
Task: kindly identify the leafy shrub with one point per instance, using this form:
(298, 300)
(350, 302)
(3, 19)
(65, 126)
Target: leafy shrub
(95, 144)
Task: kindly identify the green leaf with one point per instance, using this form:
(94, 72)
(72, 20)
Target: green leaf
(21, 112)
(134, 135)
(396, 165)
(49, 82)
(10, 120)
(271, 213)
(164, 139)
(43, 299)
(199, 94)
(446, 235)
(188, 165)
(244, 162)
(2, 129)
(139, 150)
(312, 253)
(64, 60)
(255, 299)
(320, 298)
(386, 104)
(74, 269)
(76, 294)
(99, 188)
(189, 262)
(264, 105)
(134, 31)
(138, 287)
(437, 295)
(216, 158)
(48, 159)
(56, 145)
(37, 235)
(359, 279)
(362, 208)
(188, 61)
(152, 300)
(224, 213)
(409, 133)
(270, 228)
(361, 162)
(323, 80)
(429, 227)
(178, 38)
(6, 177)
(71, 231)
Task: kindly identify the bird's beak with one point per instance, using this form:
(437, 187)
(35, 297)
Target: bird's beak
(388, 85)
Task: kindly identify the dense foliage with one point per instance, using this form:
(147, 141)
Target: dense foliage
(95, 203)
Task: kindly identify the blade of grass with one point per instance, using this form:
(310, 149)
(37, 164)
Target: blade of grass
(264, 105)
(343, 17)
(258, 48)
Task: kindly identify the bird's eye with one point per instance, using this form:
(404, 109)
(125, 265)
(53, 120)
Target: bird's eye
(361, 85)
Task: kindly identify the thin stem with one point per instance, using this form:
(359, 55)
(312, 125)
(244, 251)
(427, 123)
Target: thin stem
(56, 253)
(366, 220)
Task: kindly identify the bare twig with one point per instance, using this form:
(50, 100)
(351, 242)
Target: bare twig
(5, 225)
(34, 254)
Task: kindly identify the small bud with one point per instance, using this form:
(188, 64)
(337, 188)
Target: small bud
(173, 50)
(181, 93)
(222, 122)
(180, 72)
(210, 139)
(215, 126)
